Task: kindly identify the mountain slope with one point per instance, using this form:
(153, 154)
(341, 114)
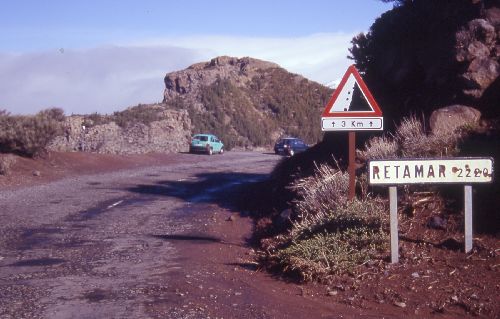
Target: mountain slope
(247, 102)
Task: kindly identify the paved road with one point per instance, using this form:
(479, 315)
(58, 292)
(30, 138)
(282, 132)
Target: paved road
(94, 246)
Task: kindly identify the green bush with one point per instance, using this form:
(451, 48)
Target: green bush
(29, 135)
(330, 235)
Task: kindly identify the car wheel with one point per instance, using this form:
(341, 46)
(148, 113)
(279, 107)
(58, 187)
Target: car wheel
(221, 151)
(210, 151)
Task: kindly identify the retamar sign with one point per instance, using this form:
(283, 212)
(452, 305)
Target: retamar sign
(352, 107)
(465, 171)
(431, 171)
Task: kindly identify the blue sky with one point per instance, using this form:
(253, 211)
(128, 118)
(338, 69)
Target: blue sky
(103, 56)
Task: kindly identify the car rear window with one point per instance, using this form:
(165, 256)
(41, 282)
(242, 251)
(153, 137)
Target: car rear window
(201, 138)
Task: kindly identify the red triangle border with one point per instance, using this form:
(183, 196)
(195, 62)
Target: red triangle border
(364, 88)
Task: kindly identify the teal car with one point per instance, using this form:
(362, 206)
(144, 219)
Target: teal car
(206, 143)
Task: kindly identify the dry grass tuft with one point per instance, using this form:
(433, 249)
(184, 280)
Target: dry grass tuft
(379, 147)
(411, 141)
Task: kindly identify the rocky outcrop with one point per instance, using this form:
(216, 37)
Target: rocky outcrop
(189, 81)
(171, 134)
(478, 49)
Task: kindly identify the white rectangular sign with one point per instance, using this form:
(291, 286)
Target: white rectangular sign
(352, 123)
(430, 171)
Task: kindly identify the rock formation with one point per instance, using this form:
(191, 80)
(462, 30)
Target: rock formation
(187, 83)
(478, 49)
(171, 134)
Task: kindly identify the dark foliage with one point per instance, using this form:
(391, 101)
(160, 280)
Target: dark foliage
(407, 57)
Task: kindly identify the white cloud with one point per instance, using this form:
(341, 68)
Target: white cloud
(108, 79)
(100, 80)
(319, 57)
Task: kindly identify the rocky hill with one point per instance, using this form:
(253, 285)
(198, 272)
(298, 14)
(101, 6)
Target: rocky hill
(247, 102)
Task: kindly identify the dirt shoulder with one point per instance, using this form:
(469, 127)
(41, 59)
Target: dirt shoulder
(57, 165)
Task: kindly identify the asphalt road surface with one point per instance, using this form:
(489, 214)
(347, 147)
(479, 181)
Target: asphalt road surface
(111, 245)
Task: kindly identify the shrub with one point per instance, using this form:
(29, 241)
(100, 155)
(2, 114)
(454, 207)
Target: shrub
(142, 113)
(414, 142)
(29, 135)
(379, 147)
(95, 119)
(330, 235)
(410, 140)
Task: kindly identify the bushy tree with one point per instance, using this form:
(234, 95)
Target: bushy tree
(407, 57)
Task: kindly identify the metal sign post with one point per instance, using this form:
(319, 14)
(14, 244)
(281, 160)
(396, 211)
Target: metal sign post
(468, 217)
(393, 210)
(352, 108)
(352, 166)
(430, 171)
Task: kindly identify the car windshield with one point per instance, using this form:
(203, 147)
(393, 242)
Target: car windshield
(202, 138)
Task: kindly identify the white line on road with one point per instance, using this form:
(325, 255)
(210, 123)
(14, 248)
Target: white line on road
(115, 204)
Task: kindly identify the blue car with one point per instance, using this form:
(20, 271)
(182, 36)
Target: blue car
(290, 146)
(206, 143)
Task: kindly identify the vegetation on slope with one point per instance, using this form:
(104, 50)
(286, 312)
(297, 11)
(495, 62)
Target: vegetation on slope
(141, 113)
(273, 104)
(409, 57)
(327, 235)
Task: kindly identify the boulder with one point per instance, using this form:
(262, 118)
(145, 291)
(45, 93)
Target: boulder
(449, 118)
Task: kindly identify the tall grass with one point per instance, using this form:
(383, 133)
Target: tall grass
(411, 141)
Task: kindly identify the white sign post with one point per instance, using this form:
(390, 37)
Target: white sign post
(430, 171)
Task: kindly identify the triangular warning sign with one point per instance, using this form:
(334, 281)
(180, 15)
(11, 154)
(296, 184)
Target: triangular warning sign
(352, 98)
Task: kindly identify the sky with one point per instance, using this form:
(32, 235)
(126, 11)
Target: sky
(88, 56)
